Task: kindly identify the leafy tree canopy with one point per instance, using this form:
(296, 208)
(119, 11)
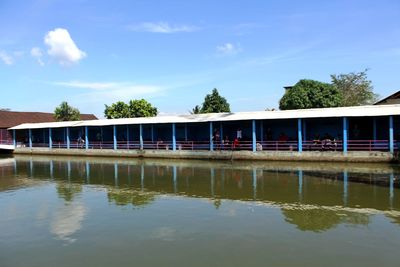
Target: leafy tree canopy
(65, 112)
(213, 103)
(311, 94)
(355, 87)
(135, 108)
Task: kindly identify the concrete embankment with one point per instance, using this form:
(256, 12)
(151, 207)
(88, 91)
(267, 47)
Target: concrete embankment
(318, 156)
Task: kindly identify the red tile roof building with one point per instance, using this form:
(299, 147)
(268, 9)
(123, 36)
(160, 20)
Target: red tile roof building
(13, 118)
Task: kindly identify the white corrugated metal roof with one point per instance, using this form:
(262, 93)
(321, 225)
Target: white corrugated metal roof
(358, 111)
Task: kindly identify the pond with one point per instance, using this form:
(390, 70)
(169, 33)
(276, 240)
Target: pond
(62, 211)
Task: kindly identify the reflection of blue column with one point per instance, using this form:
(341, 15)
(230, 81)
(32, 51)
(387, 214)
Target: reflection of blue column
(345, 187)
(87, 172)
(175, 179)
(141, 136)
(51, 169)
(15, 167)
(391, 137)
(299, 136)
(115, 136)
(50, 139)
(68, 139)
(212, 175)
(142, 177)
(345, 134)
(391, 189)
(211, 137)
(69, 169)
(86, 137)
(115, 174)
(14, 139)
(300, 175)
(173, 137)
(253, 136)
(254, 172)
(30, 137)
(31, 167)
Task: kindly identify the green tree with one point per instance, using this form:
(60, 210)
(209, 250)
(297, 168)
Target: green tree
(311, 94)
(117, 110)
(355, 87)
(213, 103)
(65, 112)
(134, 109)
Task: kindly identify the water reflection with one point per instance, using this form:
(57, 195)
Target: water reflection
(312, 197)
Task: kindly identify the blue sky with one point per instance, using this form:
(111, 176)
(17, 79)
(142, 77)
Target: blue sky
(173, 53)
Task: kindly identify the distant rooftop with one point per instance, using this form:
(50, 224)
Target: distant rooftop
(12, 118)
(391, 99)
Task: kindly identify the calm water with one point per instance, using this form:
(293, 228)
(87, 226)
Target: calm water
(113, 212)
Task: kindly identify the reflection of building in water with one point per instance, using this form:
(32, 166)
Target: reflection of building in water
(67, 220)
(336, 188)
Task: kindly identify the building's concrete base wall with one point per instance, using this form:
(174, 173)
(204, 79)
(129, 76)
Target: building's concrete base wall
(325, 156)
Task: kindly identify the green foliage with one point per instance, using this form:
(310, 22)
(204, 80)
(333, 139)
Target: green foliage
(117, 110)
(213, 103)
(311, 94)
(135, 108)
(65, 112)
(356, 89)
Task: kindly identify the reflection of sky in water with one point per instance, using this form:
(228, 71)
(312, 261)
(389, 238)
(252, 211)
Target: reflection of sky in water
(67, 220)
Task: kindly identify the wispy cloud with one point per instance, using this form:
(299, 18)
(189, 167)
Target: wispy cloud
(106, 92)
(37, 53)
(228, 49)
(161, 27)
(6, 58)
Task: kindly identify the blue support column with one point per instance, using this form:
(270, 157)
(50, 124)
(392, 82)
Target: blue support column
(50, 139)
(374, 129)
(14, 139)
(86, 137)
(253, 135)
(221, 134)
(211, 137)
(127, 136)
(299, 136)
(186, 132)
(68, 139)
(30, 138)
(141, 136)
(173, 137)
(152, 133)
(391, 136)
(115, 137)
(345, 125)
(262, 131)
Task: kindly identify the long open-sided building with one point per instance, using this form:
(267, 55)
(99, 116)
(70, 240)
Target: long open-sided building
(345, 129)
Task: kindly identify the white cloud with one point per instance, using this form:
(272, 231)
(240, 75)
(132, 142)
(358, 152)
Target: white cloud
(37, 53)
(228, 49)
(62, 48)
(6, 58)
(161, 27)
